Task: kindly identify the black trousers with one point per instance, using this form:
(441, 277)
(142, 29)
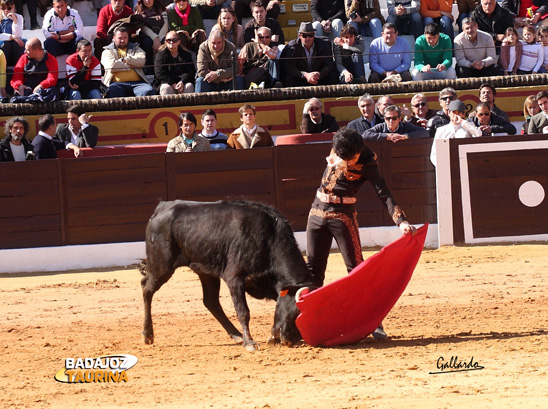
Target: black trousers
(321, 228)
(491, 71)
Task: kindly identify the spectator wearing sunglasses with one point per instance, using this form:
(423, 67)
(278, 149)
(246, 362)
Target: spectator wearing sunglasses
(442, 116)
(174, 71)
(258, 61)
(490, 123)
(420, 111)
(315, 120)
(308, 60)
(11, 31)
(394, 129)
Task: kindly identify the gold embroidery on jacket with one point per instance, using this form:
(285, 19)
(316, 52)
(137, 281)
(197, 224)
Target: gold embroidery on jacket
(354, 172)
(398, 212)
(331, 180)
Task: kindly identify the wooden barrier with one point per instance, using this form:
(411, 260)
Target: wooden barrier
(110, 199)
(497, 189)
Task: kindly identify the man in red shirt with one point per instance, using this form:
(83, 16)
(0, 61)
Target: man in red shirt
(36, 70)
(108, 15)
(84, 73)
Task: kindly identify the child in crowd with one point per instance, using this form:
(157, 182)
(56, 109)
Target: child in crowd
(510, 52)
(542, 38)
(530, 108)
(532, 54)
(228, 23)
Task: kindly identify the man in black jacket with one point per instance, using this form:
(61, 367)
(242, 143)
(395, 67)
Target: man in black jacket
(442, 116)
(308, 60)
(493, 20)
(15, 146)
(328, 17)
(261, 19)
(369, 117)
(394, 129)
(77, 131)
(45, 145)
(490, 123)
(316, 121)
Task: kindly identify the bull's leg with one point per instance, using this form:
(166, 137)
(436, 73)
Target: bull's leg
(211, 287)
(150, 284)
(237, 291)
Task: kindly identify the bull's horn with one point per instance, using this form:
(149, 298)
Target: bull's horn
(300, 292)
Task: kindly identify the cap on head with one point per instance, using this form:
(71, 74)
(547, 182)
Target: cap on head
(457, 105)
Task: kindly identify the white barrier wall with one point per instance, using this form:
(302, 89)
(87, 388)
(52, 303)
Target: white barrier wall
(123, 254)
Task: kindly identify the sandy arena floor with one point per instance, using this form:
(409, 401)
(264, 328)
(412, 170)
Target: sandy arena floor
(488, 304)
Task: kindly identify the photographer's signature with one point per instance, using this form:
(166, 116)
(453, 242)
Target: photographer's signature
(456, 365)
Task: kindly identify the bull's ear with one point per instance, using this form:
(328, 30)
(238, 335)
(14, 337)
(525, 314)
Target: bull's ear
(284, 292)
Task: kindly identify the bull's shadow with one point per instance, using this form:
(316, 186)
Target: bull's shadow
(397, 342)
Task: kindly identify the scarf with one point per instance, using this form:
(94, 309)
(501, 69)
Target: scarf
(189, 141)
(184, 16)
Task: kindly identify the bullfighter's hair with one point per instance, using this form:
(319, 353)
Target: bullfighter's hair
(347, 143)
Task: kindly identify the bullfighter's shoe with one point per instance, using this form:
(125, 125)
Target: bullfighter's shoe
(379, 333)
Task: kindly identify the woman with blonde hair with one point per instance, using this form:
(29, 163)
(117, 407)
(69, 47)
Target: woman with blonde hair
(530, 108)
(228, 24)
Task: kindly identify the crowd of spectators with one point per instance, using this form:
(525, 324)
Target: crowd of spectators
(383, 120)
(138, 54)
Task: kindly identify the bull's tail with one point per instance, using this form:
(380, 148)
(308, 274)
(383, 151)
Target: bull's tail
(143, 267)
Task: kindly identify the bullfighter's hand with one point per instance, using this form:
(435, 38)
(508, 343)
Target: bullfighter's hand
(406, 228)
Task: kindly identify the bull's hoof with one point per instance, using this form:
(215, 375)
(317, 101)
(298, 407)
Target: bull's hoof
(272, 340)
(238, 339)
(252, 347)
(149, 339)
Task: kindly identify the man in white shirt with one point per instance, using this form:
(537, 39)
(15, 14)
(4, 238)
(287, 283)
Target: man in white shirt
(62, 28)
(78, 130)
(45, 146)
(459, 127)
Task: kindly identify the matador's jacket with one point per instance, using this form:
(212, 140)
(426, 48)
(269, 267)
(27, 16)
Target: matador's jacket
(333, 213)
(347, 181)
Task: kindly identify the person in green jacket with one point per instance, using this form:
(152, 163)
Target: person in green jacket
(433, 55)
(187, 21)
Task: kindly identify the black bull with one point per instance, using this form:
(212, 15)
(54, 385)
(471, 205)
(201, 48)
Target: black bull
(249, 245)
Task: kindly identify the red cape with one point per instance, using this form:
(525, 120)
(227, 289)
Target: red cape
(349, 309)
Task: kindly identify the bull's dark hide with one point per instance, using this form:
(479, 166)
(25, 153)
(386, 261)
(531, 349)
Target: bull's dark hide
(247, 244)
